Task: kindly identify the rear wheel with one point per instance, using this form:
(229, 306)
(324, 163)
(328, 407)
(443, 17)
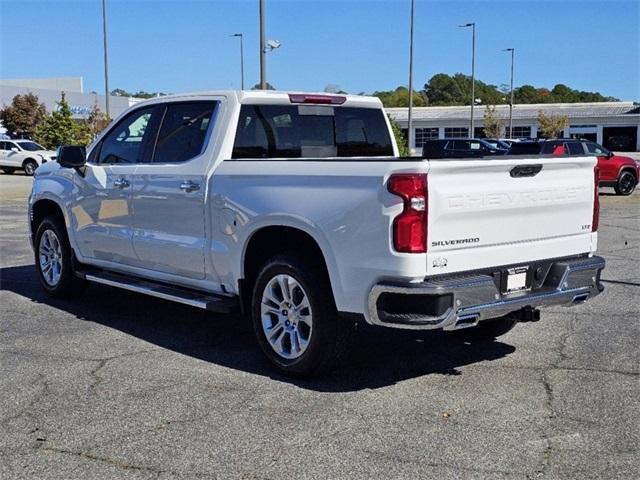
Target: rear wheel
(294, 316)
(8, 170)
(29, 167)
(53, 260)
(626, 183)
(487, 330)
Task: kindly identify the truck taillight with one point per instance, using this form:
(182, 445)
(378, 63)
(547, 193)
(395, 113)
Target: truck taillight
(410, 227)
(317, 99)
(596, 199)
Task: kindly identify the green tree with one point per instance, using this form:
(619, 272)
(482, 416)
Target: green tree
(23, 115)
(401, 140)
(492, 123)
(550, 126)
(400, 98)
(59, 128)
(441, 89)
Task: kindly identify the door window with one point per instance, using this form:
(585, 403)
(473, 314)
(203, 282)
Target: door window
(596, 149)
(575, 148)
(184, 131)
(125, 143)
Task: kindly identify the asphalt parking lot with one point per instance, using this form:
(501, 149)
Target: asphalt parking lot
(118, 385)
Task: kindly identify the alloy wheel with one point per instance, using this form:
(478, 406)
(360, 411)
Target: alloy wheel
(50, 257)
(287, 319)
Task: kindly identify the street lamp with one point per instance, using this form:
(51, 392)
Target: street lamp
(241, 59)
(106, 68)
(513, 51)
(410, 119)
(263, 65)
(473, 71)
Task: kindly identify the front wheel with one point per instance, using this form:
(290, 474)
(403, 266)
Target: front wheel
(53, 260)
(30, 167)
(626, 183)
(294, 316)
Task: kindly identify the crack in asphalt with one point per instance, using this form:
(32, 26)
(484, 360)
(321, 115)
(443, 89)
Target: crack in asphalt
(121, 464)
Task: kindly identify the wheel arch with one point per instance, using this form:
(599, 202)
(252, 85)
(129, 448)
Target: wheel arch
(41, 209)
(270, 240)
(29, 159)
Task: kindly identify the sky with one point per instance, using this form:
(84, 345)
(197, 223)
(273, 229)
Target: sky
(358, 45)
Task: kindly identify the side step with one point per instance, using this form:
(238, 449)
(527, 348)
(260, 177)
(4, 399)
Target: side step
(194, 298)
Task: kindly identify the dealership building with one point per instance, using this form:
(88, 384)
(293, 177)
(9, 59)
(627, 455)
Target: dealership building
(615, 125)
(48, 91)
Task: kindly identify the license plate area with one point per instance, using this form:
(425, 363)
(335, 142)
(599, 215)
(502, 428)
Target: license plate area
(516, 279)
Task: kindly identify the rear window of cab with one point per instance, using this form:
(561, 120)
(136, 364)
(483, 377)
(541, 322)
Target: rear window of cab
(311, 131)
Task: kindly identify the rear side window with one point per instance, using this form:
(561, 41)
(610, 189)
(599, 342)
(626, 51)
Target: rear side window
(183, 132)
(575, 148)
(310, 131)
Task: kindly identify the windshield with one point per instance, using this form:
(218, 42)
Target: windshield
(30, 146)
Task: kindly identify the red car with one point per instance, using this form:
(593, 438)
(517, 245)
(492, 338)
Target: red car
(621, 173)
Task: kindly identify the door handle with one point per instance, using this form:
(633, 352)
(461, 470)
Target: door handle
(189, 186)
(121, 183)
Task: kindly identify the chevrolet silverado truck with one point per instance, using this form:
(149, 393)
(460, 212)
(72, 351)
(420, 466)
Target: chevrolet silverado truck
(297, 211)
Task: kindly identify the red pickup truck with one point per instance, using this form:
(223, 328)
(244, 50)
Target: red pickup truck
(621, 173)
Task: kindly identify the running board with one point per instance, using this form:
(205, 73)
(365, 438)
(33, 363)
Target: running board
(194, 298)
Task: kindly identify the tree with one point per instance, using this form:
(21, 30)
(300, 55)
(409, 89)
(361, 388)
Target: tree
(492, 123)
(550, 126)
(23, 115)
(257, 87)
(59, 128)
(97, 121)
(401, 140)
(400, 98)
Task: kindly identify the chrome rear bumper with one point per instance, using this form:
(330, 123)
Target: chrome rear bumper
(462, 301)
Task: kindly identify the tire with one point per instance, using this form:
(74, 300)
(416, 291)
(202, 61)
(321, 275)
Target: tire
(52, 249)
(8, 170)
(626, 183)
(487, 330)
(29, 167)
(294, 317)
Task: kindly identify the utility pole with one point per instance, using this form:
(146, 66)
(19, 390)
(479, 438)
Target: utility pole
(410, 135)
(473, 73)
(106, 68)
(263, 52)
(512, 50)
(241, 59)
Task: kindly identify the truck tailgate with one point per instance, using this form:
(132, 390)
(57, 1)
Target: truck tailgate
(489, 212)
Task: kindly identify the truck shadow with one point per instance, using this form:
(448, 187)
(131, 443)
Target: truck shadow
(378, 357)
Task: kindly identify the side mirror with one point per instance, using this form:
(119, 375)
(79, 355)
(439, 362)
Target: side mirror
(15, 149)
(609, 154)
(72, 156)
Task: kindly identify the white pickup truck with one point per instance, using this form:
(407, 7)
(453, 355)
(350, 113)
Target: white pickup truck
(296, 210)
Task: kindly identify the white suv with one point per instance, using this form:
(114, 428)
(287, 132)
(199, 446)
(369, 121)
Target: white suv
(24, 155)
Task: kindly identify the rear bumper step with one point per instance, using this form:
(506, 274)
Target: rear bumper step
(455, 302)
(194, 298)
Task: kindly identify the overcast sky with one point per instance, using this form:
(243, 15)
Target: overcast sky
(359, 45)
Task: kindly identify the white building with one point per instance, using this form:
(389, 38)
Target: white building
(48, 91)
(616, 125)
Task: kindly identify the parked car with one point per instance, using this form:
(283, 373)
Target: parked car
(459, 148)
(498, 144)
(617, 171)
(529, 147)
(24, 155)
(296, 210)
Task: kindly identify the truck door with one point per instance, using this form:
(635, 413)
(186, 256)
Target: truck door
(169, 192)
(101, 212)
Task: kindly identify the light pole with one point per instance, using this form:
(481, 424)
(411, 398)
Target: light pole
(473, 72)
(410, 119)
(241, 59)
(106, 68)
(263, 65)
(513, 51)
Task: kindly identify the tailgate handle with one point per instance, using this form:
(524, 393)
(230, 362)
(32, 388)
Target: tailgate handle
(525, 171)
